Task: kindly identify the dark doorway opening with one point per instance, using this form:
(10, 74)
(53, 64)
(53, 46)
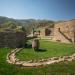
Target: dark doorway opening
(47, 32)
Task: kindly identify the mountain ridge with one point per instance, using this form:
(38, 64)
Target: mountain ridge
(10, 24)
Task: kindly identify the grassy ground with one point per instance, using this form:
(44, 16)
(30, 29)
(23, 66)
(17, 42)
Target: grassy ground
(48, 49)
(67, 68)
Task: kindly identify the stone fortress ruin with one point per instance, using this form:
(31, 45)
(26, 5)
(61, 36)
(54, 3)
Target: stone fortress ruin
(63, 31)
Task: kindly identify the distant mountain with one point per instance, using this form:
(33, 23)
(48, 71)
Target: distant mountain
(9, 24)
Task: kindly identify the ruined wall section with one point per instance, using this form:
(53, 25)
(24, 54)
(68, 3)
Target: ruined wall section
(67, 29)
(43, 32)
(12, 39)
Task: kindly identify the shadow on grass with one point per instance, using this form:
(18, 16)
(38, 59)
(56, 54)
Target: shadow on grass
(37, 50)
(41, 50)
(28, 46)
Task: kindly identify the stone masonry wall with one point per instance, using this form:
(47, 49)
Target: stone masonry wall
(12, 39)
(43, 32)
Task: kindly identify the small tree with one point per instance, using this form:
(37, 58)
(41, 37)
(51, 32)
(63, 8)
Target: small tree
(23, 28)
(33, 31)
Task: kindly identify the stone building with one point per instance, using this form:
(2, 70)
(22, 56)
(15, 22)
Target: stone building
(64, 31)
(46, 32)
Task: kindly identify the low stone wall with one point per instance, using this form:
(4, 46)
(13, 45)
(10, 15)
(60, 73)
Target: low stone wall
(12, 39)
(11, 58)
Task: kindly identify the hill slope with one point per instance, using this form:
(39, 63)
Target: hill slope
(7, 24)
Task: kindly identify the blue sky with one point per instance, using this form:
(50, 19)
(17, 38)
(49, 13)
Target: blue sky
(38, 9)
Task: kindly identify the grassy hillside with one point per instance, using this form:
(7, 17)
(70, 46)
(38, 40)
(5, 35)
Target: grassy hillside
(53, 49)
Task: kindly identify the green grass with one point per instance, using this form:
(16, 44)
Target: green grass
(52, 49)
(67, 68)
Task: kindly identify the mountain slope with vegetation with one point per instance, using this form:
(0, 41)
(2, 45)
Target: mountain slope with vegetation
(9, 24)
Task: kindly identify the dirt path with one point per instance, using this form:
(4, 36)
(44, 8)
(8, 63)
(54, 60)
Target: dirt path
(11, 58)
